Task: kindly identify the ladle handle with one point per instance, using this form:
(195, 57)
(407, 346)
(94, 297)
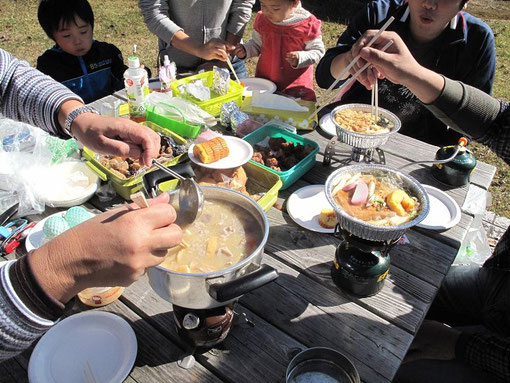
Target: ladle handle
(167, 170)
(152, 179)
(224, 292)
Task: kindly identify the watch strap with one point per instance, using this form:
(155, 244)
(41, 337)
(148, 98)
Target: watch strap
(75, 113)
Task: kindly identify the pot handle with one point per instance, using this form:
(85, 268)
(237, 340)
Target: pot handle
(152, 179)
(223, 292)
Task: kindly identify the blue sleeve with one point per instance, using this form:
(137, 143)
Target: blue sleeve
(371, 17)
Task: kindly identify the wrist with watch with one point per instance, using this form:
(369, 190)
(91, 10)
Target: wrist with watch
(72, 116)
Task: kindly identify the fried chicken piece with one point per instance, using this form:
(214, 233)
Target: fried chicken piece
(275, 143)
(257, 157)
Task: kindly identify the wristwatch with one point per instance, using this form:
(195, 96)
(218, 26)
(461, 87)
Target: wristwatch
(75, 113)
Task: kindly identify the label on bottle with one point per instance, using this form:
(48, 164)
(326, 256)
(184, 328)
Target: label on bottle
(137, 89)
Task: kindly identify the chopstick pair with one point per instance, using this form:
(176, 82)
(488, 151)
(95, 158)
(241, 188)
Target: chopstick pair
(333, 95)
(229, 63)
(327, 95)
(375, 100)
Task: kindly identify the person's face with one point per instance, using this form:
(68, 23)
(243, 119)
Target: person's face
(277, 10)
(430, 17)
(75, 37)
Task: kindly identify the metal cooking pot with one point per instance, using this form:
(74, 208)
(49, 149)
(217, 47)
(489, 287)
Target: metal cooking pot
(218, 288)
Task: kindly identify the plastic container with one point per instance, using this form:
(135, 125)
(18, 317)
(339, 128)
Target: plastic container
(100, 296)
(212, 106)
(182, 128)
(271, 130)
(260, 180)
(127, 186)
(137, 87)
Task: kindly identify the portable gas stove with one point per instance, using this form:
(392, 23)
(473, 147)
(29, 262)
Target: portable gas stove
(368, 155)
(360, 266)
(204, 328)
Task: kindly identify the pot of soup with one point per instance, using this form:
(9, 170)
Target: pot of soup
(219, 258)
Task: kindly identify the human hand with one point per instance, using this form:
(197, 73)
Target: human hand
(214, 49)
(240, 51)
(292, 58)
(433, 341)
(116, 136)
(111, 249)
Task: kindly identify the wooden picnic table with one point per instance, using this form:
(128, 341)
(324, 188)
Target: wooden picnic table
(303, 307)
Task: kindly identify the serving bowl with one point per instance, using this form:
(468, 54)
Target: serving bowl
(366, 230)
(362, 140)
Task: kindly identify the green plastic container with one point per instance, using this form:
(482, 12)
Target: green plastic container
(290, 176)
(127, 186)
(260, 180)
(212, 106)
(180, 127)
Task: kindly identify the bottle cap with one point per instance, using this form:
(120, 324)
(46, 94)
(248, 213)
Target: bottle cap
(166, 61)
(133, 62)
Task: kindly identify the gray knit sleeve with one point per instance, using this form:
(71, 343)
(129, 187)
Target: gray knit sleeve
(28, 95)
(19, 326)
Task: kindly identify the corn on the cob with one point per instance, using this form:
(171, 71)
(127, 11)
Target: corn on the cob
(212, 150)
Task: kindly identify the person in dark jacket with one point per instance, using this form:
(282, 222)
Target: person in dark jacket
(441, 37)
(90, 68)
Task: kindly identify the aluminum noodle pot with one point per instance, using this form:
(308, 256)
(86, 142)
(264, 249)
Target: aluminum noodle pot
(214, 289)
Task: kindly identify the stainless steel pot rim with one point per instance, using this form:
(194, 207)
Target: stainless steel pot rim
(422, 196)
(245, 261)
(385, 112)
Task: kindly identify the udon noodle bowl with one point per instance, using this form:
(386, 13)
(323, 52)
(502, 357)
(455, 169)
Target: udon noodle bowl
(363, 122)
(370, 200)
(357, 126)
(222, 236)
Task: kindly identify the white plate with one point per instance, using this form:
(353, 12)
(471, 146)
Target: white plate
(304, 207)
(444, 212)
(327, 125)
(240, 152)
(257, 84)
(36, 237)
(103, 339)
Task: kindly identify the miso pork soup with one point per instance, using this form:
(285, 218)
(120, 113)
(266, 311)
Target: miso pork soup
(222, 236)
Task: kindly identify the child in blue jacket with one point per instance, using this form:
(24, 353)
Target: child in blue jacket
(90, 68)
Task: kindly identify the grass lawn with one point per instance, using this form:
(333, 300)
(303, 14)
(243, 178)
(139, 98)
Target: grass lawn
(119, 22)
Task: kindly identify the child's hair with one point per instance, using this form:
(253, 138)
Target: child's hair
(52, 13)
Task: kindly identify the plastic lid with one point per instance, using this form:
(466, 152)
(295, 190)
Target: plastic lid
(166, 61)
(133, 62)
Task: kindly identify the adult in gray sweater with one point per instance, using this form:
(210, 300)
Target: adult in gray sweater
(194, 33)
(111, 249)
(469, 296)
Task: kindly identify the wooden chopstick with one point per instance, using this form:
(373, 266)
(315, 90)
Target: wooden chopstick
(355, 60)
(232, 69)
(350, 80)
(376, 99)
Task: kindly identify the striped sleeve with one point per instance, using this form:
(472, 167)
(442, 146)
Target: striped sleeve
(28, 95)
(19, 326)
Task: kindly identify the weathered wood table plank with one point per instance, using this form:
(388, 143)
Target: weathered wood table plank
(303, 307)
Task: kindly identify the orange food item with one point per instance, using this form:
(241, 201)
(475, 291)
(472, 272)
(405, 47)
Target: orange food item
(327, 219)
(212, 150)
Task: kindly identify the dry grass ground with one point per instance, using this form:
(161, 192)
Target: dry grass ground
(120, 22)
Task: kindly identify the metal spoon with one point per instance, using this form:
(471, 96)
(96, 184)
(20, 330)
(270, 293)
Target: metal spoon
(191, 198)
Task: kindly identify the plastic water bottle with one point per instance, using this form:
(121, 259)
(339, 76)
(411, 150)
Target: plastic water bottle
(137, 88)
(167, 74)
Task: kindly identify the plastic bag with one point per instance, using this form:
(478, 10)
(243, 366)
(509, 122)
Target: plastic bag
(475, 249)
(24, 152)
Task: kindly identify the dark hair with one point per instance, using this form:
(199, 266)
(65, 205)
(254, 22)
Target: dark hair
(52, 13)
(462, 3)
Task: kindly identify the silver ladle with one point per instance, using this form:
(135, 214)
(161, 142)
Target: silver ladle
(191, 198)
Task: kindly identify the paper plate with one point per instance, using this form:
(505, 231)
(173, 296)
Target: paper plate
(240, 152)
(327, 125)
(257, 84)
(304, 207)
(444, 212)
(36, 237)
(103, 339)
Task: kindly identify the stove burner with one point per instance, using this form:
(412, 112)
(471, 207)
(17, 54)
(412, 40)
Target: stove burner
(204, 328)
(360, 266)
(355, 155)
